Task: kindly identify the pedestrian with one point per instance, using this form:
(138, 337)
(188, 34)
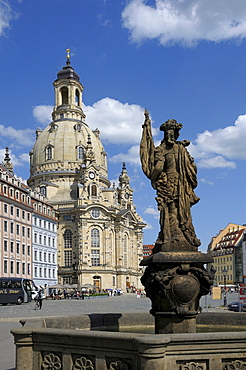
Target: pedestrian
(40, 297)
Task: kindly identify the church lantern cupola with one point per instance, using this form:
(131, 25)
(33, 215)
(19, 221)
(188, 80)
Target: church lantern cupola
(68, 93)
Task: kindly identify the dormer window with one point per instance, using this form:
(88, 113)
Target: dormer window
(81, 152)
(48, 152)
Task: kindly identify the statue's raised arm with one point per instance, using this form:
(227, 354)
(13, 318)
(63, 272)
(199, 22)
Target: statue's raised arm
(147, 147)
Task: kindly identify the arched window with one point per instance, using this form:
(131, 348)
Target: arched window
(81, 152)
(43, 190)
(77, 97)
(95, 238)
(93, 190)
(68, 239)
(64, 95)
(48, 152)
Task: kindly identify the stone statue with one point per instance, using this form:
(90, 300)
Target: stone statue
(173, 175)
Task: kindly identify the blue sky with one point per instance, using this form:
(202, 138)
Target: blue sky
(179, 59)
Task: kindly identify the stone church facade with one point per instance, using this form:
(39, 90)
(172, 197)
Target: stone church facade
(99, 236)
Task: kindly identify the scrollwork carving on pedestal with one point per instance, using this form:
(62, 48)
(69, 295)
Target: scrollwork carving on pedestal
(176, 289)
(119, 365)
(83, 363)
(51, 362)
(235, 365)
(193, 366)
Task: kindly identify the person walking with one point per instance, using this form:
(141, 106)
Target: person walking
(39, 298)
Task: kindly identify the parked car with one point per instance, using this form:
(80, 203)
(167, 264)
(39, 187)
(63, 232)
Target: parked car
(234, 306)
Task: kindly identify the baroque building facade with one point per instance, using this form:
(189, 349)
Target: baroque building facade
(99, 235)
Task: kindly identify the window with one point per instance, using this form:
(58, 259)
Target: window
(35, 271)
(5, 266)
(12, 227)
(35, 255)
(5, 226)
(5, 189)
(40, 272)
(35, 237)
(35, 221)
(23, 215)
(28, 216)
(81, 152)
(18, 229)
(23, 249)
(43, 189)
(18, 248)
(95, 257)
(49, 273)
(49, 241)
(17, 268)
(77, 96)
(40, 256)
(93, 190)
(40, 221)
(17, 212)
(44, 224)
(45, 258)
(54, 273)
(95, 238)
(68, 258)
(28, 250)
(49, 153)
(23, 231)
(40, 239)
(11, 267)
(67, 217)
(5, 208)
(49, 225)
(49, 257)
(45, 239)
(53, 257)
(5, 246)
(95, 213)
(11, 210)
(12, 247)
(67, 239)
(23, 268)
(64, 95)
(45, 273)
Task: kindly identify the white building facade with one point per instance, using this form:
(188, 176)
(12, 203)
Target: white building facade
(44, 231)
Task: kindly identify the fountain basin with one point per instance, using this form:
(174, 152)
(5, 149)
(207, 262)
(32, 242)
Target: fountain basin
(95, 342)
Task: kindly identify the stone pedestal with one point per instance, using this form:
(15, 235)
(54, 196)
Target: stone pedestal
(175, 282)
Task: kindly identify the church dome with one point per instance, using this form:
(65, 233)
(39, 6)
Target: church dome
(67, 144)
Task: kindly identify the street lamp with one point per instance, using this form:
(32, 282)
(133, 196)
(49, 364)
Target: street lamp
(224, 272)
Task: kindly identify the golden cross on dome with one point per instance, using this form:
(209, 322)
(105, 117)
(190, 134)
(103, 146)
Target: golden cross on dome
(68, 54)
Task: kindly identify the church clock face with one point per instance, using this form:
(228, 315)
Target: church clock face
(91, 175)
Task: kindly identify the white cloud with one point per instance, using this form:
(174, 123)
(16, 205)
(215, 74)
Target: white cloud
(185, 22)
(118, 123)
(21, 137)
(131, 157)
(220, 148)
(152, 211)
(148, 225)
(42, 113)
(6, 15)
(205, 181)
